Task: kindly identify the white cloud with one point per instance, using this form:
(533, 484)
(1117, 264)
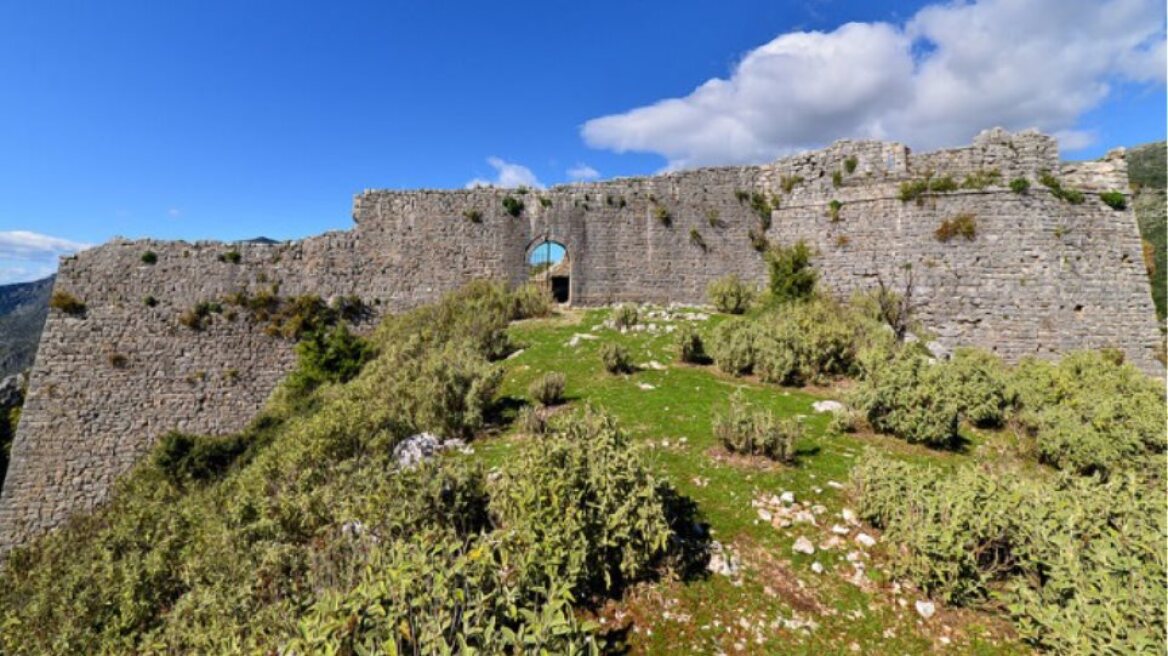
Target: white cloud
(508, 174)
(26, 255)
(950, 71)
(582, 172)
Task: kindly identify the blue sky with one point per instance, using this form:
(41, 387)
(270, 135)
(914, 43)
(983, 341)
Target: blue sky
(229, 120)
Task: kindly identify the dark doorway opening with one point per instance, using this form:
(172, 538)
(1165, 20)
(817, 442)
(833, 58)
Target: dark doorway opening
(550, 267)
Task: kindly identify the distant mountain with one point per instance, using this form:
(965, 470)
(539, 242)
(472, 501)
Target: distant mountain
(23, 308)
(1147, 168)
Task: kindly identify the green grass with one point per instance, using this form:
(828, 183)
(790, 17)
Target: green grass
(673, 423)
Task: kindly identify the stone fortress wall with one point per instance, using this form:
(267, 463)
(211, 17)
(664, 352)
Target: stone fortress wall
(1041, 277)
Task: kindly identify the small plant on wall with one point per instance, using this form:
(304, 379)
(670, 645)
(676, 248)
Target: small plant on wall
(833, 210)
(149, 257)
(696, 239)
(67, 303)
(474, 216)
(961, 225)
(661, 213)
(512, 205)
(231, 257)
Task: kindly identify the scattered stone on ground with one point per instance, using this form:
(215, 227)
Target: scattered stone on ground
(828, 406)
(646, 386)
(925, 609)
(723, 560)
(803, 546)
(419, 448)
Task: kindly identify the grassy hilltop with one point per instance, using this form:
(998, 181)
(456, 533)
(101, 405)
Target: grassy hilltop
(633, 480)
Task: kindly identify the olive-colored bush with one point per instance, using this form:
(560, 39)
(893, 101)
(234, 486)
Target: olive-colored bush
(910, 397)
(531, 300)
(548, 389)
(752, 432)
(690, 347)
(730, 294)
(1079, 563)
(625, 316)
(1091, 413)
(806, 342)
(615, 358)
(67, 303)
(732, 345)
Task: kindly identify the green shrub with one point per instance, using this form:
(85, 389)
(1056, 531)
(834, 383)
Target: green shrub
(730, 294)
(533, 420)
(762, 207)
(850, 164)
(625, 316)
(548, 389)
(332, 355)
(837, 178)
(150, 301)
(788, 183)
(184, 458)
(531, 300)
(979, 382)
(67, 303)
(584, 509)
(962, 225)
(512, 205)
(199, 317)
(474, 216)
(943, 184)
(1019, 185)
(615, 358)
(756, 433)
(811, 341)
(689, 345)
(909, 397)
(982, 179)
(791, 276)
(732, 345)
(913, 190)
(1072, 196)
(1116, 200)
(758, 240)
(741, 195)
(149, 257)
(1091, 413)
(1079, 564)
(231, 257)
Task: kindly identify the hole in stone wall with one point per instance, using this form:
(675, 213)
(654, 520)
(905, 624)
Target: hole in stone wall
(550, 266)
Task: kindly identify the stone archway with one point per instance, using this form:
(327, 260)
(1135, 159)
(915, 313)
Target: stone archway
(550, 265)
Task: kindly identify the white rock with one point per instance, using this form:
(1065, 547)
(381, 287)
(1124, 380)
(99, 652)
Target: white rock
(840, 530)
(828, 406)
(787, 497)
(865, 540)
(849, 516)
(925, 609)
(723, 560)
(416, 449)
(646, 386)
(817, 567)
(835, 485)
(803, 546)
(765, 515)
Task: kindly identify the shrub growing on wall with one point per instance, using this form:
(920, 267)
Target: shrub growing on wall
(791, 276)
(67, 303)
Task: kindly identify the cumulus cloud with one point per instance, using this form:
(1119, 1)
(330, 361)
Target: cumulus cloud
(26, 255)
(936, 80)
(507, 174)
(582, 173)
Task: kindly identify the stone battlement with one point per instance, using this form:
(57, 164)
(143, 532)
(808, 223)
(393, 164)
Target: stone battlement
(1041, 277)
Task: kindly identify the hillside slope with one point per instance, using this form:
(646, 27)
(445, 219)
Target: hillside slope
(23, 308)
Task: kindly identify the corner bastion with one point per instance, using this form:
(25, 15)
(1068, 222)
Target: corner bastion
(1040, 277)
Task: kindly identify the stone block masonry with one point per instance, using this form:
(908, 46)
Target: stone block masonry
(1040, 277)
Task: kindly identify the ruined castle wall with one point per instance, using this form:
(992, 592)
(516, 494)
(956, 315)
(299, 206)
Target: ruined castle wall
(1040, 277)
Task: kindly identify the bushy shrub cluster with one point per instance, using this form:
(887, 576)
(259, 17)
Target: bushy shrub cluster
(305, 536)
(730, 294)
(1091, 413)
(799, 343)
(624, 316)
(1080, 563)
(962, 225)
(756, 432)
(531, 300)
(333, 355)
(909, 396)
(1072, 196)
